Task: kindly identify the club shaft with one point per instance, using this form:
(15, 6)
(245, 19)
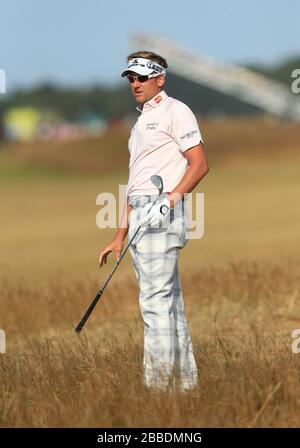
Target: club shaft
(100, 292)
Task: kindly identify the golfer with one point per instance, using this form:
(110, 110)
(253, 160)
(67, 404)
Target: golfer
(164, 141)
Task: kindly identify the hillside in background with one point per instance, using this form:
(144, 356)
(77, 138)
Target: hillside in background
(117, 102)
(281, 72)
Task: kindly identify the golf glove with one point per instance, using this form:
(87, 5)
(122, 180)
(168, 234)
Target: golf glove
(156, 214)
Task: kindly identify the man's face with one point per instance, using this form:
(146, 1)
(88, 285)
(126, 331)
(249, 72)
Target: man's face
(144, 91)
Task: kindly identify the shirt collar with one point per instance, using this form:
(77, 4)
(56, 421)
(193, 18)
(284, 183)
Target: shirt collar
(154, 102)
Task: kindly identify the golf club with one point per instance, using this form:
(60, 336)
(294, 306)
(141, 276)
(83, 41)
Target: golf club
(158, 182)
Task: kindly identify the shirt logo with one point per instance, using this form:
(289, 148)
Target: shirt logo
(152, 126)
(189, 134)
(158, 99)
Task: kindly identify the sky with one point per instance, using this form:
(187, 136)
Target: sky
(75, 42)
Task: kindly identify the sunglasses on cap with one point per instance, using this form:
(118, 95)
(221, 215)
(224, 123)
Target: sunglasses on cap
(141, 78)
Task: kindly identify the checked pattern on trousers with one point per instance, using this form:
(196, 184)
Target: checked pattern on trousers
(168, 350)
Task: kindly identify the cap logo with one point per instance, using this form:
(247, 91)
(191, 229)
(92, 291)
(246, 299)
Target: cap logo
(135, 62)
(155, 67)
(144, 66)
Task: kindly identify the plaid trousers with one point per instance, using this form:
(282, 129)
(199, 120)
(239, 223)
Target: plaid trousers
(168, 351)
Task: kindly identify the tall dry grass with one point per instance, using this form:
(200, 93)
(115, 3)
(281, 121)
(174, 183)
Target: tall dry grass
(241, 318)
(241, 314)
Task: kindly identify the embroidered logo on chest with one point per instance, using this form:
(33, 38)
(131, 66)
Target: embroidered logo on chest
(152, 126)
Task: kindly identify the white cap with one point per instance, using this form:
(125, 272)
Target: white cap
(143, 66)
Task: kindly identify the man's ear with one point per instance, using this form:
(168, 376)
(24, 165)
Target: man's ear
(161, 80)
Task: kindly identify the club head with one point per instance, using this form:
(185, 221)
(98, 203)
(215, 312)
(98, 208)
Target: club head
(158, 182)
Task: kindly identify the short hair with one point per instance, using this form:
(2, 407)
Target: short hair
(149, 55)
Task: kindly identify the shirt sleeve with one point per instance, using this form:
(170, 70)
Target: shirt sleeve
(184, 127)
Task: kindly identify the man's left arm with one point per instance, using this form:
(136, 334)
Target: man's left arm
(196, 170)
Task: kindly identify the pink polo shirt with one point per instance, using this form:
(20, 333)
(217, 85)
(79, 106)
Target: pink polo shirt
(165, 129)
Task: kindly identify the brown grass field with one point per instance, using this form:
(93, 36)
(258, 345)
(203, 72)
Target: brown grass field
(241, 286)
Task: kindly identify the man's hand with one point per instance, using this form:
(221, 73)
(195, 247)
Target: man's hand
(157, 214)
(116, 246)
